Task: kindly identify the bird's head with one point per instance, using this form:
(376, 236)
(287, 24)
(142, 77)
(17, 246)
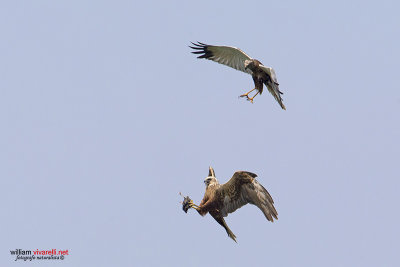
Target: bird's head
(211, 179)
(247, 64)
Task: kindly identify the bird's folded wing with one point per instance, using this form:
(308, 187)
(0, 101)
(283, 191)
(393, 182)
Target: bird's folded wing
(227, 55)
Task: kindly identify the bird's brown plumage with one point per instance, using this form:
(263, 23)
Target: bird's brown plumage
(242, 188)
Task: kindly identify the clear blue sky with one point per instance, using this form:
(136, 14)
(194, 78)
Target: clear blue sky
(106, 116)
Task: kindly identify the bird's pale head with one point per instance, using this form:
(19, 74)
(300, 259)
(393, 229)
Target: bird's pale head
(247, 63)
(211, 179)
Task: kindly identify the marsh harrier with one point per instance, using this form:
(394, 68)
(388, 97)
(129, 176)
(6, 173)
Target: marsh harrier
(237, 59)
(220, 200)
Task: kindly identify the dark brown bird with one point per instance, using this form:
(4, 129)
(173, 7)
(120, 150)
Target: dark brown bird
(242, 188)
(237, 59)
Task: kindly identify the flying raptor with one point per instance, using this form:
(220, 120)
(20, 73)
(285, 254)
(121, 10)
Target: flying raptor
(237, 59)
(220, 200)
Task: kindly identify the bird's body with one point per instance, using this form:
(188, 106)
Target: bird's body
(237, 59)
(241, 189)
(259, 76)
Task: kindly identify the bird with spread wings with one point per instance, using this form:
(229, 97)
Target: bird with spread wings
(220, 200)
(239, 60)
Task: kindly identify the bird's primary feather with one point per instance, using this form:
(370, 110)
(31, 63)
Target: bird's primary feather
(227, 55)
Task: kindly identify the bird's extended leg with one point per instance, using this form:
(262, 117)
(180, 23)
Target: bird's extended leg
(194, 206)
(251, 98)
(247, 94)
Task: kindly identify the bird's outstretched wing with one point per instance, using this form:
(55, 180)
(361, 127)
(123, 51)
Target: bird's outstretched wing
(273, 85)
(243, 188)
(227, 55)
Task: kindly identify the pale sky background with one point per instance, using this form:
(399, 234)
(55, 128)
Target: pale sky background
(106, 116)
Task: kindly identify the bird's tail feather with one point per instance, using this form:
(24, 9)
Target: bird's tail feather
(222, 222)
(273, 88)
(230, 234)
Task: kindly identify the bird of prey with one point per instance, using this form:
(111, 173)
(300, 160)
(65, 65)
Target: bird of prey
(220, 200)
(237, 59)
